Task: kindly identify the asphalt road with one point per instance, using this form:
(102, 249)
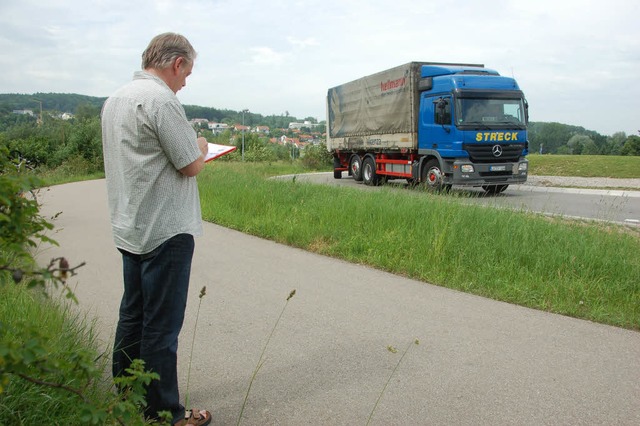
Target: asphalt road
(612, 205)
(479, 362)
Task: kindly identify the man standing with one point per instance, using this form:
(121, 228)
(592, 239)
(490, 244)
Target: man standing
(151, 158)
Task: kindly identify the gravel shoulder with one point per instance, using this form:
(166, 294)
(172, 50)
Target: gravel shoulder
(583, 182)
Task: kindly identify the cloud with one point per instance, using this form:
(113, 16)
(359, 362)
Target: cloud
(266, 56)
(308, 42)
(570, 57)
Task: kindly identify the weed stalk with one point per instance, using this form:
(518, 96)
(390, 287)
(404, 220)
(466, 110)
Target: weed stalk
(392, 350)
(260, 362)
(203, 293)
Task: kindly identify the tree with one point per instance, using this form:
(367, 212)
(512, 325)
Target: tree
(615, 143)
(551, 135)
(577, 144)
(589, 147)
(631, 146)
(581, 144)
(86, 111)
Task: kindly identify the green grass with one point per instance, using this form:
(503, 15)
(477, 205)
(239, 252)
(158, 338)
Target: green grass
(585, 165)
(55, 177)
(583, 270)
(64, 331)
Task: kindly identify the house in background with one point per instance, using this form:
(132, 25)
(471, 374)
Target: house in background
(218, 128)
(23, 112)
(240, 128)
(261, 129)
(298, 126)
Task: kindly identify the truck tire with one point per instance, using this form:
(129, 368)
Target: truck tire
(337, 174)
(494, 189)
(355, 167)
(369, 175)
(433, 177)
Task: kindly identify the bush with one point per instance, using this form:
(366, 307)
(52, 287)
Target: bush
(76, 165)
(317, 157)
(47, 356)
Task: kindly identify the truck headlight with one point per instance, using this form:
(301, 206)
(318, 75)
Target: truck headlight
(466, 168)
(523, 167)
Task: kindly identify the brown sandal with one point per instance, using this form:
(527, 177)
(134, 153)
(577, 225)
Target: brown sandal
(195, 418)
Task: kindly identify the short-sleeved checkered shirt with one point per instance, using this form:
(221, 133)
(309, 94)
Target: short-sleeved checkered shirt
(146, 140)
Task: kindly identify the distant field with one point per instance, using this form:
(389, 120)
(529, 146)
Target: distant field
(624, 167)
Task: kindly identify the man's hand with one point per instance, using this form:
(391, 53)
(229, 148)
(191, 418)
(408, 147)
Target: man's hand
(203, 145)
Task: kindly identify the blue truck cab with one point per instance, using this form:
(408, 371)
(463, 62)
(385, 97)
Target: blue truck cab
(474, 121)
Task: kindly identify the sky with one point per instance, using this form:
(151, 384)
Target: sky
(578, 62)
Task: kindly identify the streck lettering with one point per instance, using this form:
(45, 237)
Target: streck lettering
(496, 137)
(392, 84)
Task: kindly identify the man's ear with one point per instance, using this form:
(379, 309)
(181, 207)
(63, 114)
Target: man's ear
(177, 64)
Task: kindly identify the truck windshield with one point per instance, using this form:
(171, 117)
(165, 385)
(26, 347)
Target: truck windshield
(490, 113)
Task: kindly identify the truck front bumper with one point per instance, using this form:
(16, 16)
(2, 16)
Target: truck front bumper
(478, 174)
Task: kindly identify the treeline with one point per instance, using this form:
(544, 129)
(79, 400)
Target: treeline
(557, 138)
(545, 138)
(75, 144)
(250, 118)
(69, 103)
(52, 102)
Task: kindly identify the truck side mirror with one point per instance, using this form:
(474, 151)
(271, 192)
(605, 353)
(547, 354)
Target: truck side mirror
(442, 113)
(440, 103)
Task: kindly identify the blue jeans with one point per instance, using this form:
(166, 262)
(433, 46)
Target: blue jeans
(151, 316)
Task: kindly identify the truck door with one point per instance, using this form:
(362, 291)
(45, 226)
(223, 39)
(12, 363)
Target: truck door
(435, 122)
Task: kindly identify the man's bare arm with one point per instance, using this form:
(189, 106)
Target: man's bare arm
(196, 167)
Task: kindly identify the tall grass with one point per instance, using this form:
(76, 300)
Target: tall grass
(25, 403)
(574, 268)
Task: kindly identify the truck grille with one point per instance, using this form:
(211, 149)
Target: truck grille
(484, 153)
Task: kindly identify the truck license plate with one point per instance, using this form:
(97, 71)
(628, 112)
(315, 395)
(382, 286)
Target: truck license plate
(497, 168)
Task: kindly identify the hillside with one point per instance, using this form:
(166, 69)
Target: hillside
(548, 138)
(69, 102)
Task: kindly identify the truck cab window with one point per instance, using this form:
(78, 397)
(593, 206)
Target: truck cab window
(442, 111)
(490, 113)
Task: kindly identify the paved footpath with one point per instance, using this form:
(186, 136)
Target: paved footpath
(479, 362)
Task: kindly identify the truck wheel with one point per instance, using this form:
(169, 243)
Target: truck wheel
(433, 177)
(355, 167)
(369, 175)
(337, 174)
(494, 189)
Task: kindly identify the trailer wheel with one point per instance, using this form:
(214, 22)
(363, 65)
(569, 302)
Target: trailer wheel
(337, 174)
(369, 175)
(494, 189)
(355, 167)
(433, 177)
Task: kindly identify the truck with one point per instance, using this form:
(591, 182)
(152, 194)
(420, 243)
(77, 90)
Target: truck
(434, 124)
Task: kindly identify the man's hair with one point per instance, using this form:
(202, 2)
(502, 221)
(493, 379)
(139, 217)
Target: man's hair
(164, 49)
